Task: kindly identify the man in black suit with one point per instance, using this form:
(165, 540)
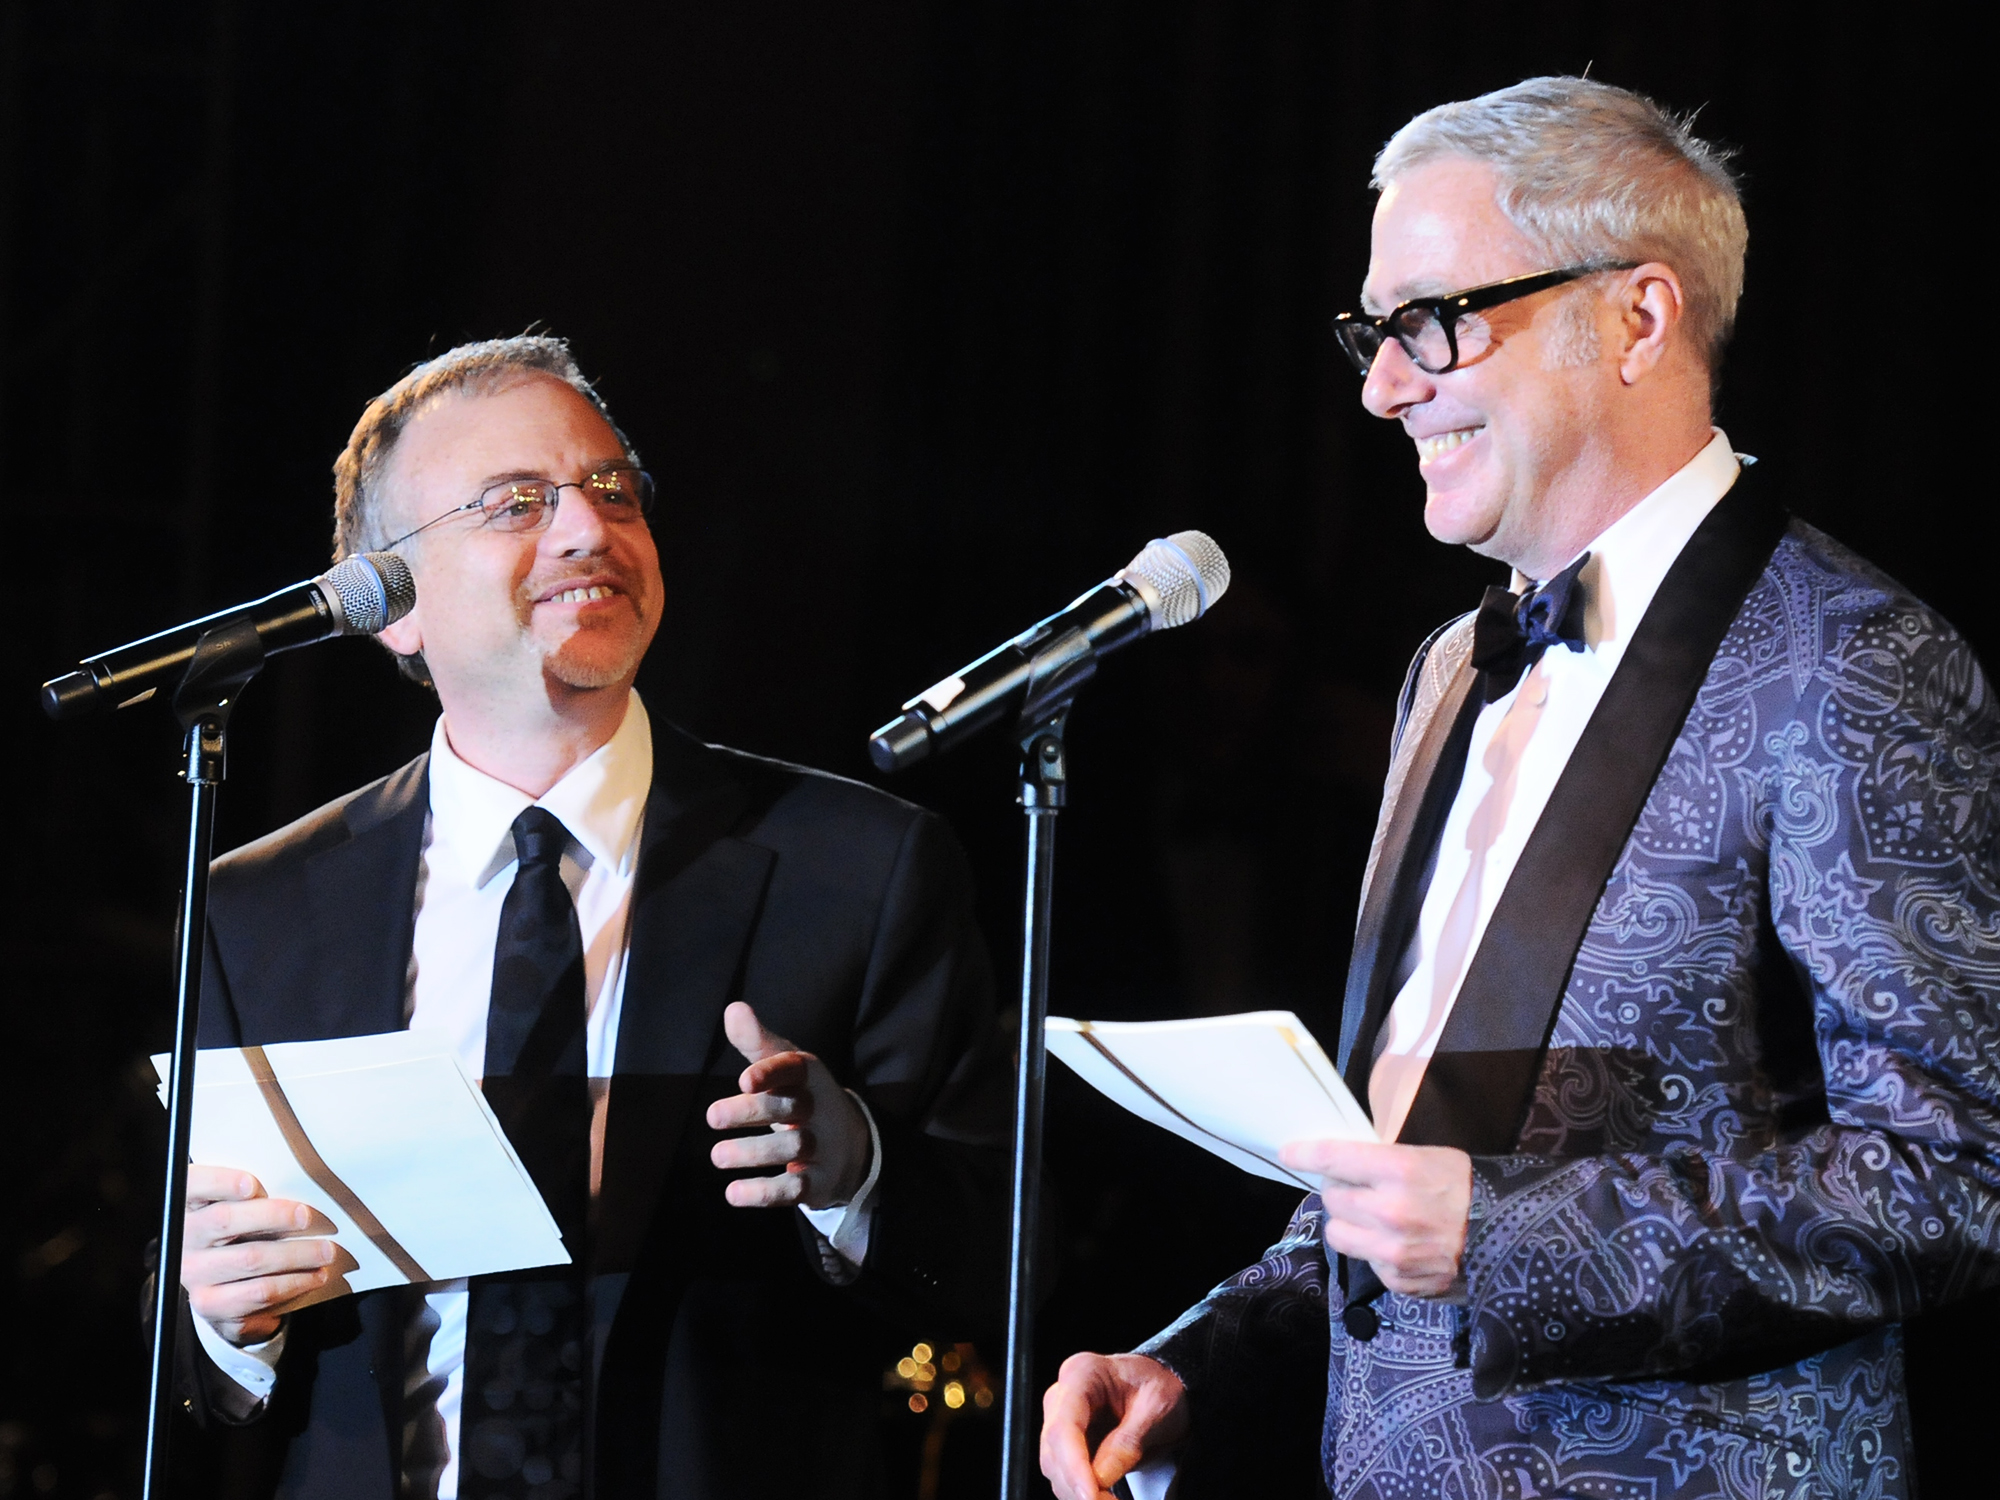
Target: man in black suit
(600, 913)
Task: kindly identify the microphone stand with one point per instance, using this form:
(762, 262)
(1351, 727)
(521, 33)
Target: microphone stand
(1058, 671)
(225, 660)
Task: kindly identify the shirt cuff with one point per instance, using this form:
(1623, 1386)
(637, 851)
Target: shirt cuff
(252, 1366)
(845, 1226)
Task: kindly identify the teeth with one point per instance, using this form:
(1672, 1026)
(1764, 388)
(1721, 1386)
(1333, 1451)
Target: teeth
(578, 596)
(1429, 448)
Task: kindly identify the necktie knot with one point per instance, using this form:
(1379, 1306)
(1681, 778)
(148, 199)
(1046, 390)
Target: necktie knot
(539, 838)
(1513, 630)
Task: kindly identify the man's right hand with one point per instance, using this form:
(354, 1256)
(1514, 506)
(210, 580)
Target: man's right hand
(240, 1257)
(1140, 1400)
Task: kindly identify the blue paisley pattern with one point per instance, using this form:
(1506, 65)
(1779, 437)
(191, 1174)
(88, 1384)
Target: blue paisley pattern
(1767, 1125)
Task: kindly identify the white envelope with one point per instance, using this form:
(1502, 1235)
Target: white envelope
(1239, 1086)
(388, 1138)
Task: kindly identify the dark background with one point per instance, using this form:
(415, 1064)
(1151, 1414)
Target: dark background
(926, 314)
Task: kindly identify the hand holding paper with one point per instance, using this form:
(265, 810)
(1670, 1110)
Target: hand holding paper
(1400, 1208)
(404, 1174)
(240, 1260)
(1240, 1086)
(1258, 1091)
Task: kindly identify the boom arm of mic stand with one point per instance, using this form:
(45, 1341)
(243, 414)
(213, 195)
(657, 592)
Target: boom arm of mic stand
(224, 662)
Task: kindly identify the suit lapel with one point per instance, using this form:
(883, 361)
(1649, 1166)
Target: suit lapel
(1477, 1087)
(694, 905)
(361, 899)
(1395, 892)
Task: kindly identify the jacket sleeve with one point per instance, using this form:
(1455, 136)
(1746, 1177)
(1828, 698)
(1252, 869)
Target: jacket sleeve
(929, 1060)
(1253, 1356)
(1882, 891)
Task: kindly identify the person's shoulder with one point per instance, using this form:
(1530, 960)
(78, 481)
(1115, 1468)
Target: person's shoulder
(327, 826)
(783, 793)
(1866, 637)
(1824, 581)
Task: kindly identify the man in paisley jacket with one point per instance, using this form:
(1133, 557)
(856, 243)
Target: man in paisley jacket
(1676, 987)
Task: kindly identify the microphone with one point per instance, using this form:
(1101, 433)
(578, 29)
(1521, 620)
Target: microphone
(357, 596)
(1174, 580)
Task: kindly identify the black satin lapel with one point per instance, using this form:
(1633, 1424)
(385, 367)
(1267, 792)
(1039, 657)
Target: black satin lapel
(362, 899)
(1394, 896)
(694, 907)
(1478, 1085)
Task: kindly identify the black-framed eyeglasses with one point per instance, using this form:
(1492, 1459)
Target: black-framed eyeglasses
(619, 493)
(1428, 327)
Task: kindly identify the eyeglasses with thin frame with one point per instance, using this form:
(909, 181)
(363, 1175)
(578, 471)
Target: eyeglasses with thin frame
(620, 493)
(1427, 327)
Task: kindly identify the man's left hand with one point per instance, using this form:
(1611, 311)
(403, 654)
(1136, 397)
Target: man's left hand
(1400, 1208)
(818, 1134)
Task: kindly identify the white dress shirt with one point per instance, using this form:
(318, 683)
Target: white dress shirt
(1520, 745)
(467, 867)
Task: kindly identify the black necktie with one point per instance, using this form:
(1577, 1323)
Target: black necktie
(522, 1421)
(1513, 630)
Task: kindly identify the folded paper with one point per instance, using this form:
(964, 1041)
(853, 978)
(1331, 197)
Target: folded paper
(388, 1138)
(1239, 1086)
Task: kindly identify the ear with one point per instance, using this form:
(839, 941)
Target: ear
(1650, 303)
(406, 636)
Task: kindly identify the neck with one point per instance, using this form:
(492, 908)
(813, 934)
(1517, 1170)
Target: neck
(1600, 486)
(532, 746)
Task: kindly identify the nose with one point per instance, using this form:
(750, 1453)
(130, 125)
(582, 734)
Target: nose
(576, 527)
(1395, 383)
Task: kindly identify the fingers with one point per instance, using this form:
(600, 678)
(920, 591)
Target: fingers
(748, 1035)
(257, 1218)
(780, 1148)
(765, 1100)
(238, 1288)
(1357, 1162)
(220, 1185)
(1403, 1209)
(1068, 1408)
(767, 1192)
(1148, 1401)
(781, 1072)
(782, 1089)
(235, 1301)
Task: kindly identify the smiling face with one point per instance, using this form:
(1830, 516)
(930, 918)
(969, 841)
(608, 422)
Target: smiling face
(1505, 441)
(507, 620)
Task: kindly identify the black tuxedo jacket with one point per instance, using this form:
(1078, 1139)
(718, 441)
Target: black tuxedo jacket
(727, 1361)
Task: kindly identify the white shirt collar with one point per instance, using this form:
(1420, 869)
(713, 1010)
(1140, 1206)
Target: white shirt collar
(1630, 557)
(600, 801)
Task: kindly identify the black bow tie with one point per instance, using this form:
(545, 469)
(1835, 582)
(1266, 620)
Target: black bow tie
(1513, 630)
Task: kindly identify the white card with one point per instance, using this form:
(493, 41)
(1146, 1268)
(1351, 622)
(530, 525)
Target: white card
(388, 1138)
(1239, 1086)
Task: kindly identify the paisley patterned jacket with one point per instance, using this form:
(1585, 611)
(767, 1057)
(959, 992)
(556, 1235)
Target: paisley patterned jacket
(1730, 1073)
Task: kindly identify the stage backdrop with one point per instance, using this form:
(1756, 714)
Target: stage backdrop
(926, 315)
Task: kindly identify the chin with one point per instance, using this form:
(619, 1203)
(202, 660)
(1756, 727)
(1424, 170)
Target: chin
(598, 664)
(1459, 520)
(600, 655)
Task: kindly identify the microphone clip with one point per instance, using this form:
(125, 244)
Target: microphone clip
(225, 660)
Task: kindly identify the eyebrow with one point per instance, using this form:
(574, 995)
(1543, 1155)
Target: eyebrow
(1409, 291)
(597, 466)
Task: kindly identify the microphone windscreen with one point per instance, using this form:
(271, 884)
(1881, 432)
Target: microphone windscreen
(1188, 572)
(375, 590)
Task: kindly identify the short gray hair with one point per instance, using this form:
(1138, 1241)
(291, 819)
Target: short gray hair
(483, 368)
(1590, 172)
